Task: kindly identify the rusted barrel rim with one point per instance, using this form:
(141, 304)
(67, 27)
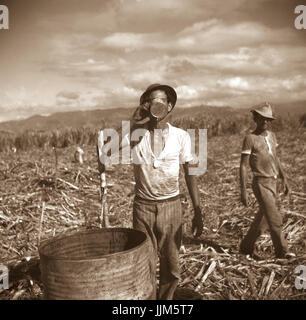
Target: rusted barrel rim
(77, 259)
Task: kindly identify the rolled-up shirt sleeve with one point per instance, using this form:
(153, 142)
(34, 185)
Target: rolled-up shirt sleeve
(247, 145)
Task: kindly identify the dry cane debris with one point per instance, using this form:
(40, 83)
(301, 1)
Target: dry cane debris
(44, 194)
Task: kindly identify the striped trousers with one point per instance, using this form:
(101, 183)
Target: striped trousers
(162, 222)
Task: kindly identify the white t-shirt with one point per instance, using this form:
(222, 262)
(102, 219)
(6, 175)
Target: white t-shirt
(157, 178)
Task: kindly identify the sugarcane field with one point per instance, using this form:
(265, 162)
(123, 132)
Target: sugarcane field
(153, 152)
(48, 192)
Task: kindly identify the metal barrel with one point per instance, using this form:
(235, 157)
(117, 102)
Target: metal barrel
(104, 264)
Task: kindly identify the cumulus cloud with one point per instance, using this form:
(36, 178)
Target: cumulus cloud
(19, 98)
(235, 83)
(68, 95)
(186, 92)
(206, 36)
(127, 41)
(67, 98)
(96, 98)
(225, 54)
(78, 69)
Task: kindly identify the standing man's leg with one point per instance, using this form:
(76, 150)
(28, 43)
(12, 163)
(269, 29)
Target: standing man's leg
(258, 226)
(248, 242)
(267, 198)
(169, 236)
(144, 219)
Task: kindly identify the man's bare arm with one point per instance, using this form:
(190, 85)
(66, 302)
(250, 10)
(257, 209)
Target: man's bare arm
(191, 181)
(283, 177)
(192, 186)
(243, 178)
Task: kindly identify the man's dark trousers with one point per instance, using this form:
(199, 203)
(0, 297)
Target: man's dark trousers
(268, 216)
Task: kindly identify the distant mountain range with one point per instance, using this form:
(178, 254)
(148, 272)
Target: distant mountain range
(113, 117)
(72, 119)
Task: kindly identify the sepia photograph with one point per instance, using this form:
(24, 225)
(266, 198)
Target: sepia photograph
(153, 150)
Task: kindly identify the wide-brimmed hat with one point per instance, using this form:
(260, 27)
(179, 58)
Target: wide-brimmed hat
(156, 86)
(264, 109)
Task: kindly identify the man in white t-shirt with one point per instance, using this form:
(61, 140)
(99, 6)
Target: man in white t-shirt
(157, 156)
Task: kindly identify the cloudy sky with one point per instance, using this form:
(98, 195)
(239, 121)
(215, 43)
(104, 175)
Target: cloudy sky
(75, 54)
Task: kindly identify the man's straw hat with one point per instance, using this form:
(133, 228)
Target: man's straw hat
(156, 86)
(264, 109)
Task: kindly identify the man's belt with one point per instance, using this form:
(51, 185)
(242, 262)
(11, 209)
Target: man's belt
(137, 198)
